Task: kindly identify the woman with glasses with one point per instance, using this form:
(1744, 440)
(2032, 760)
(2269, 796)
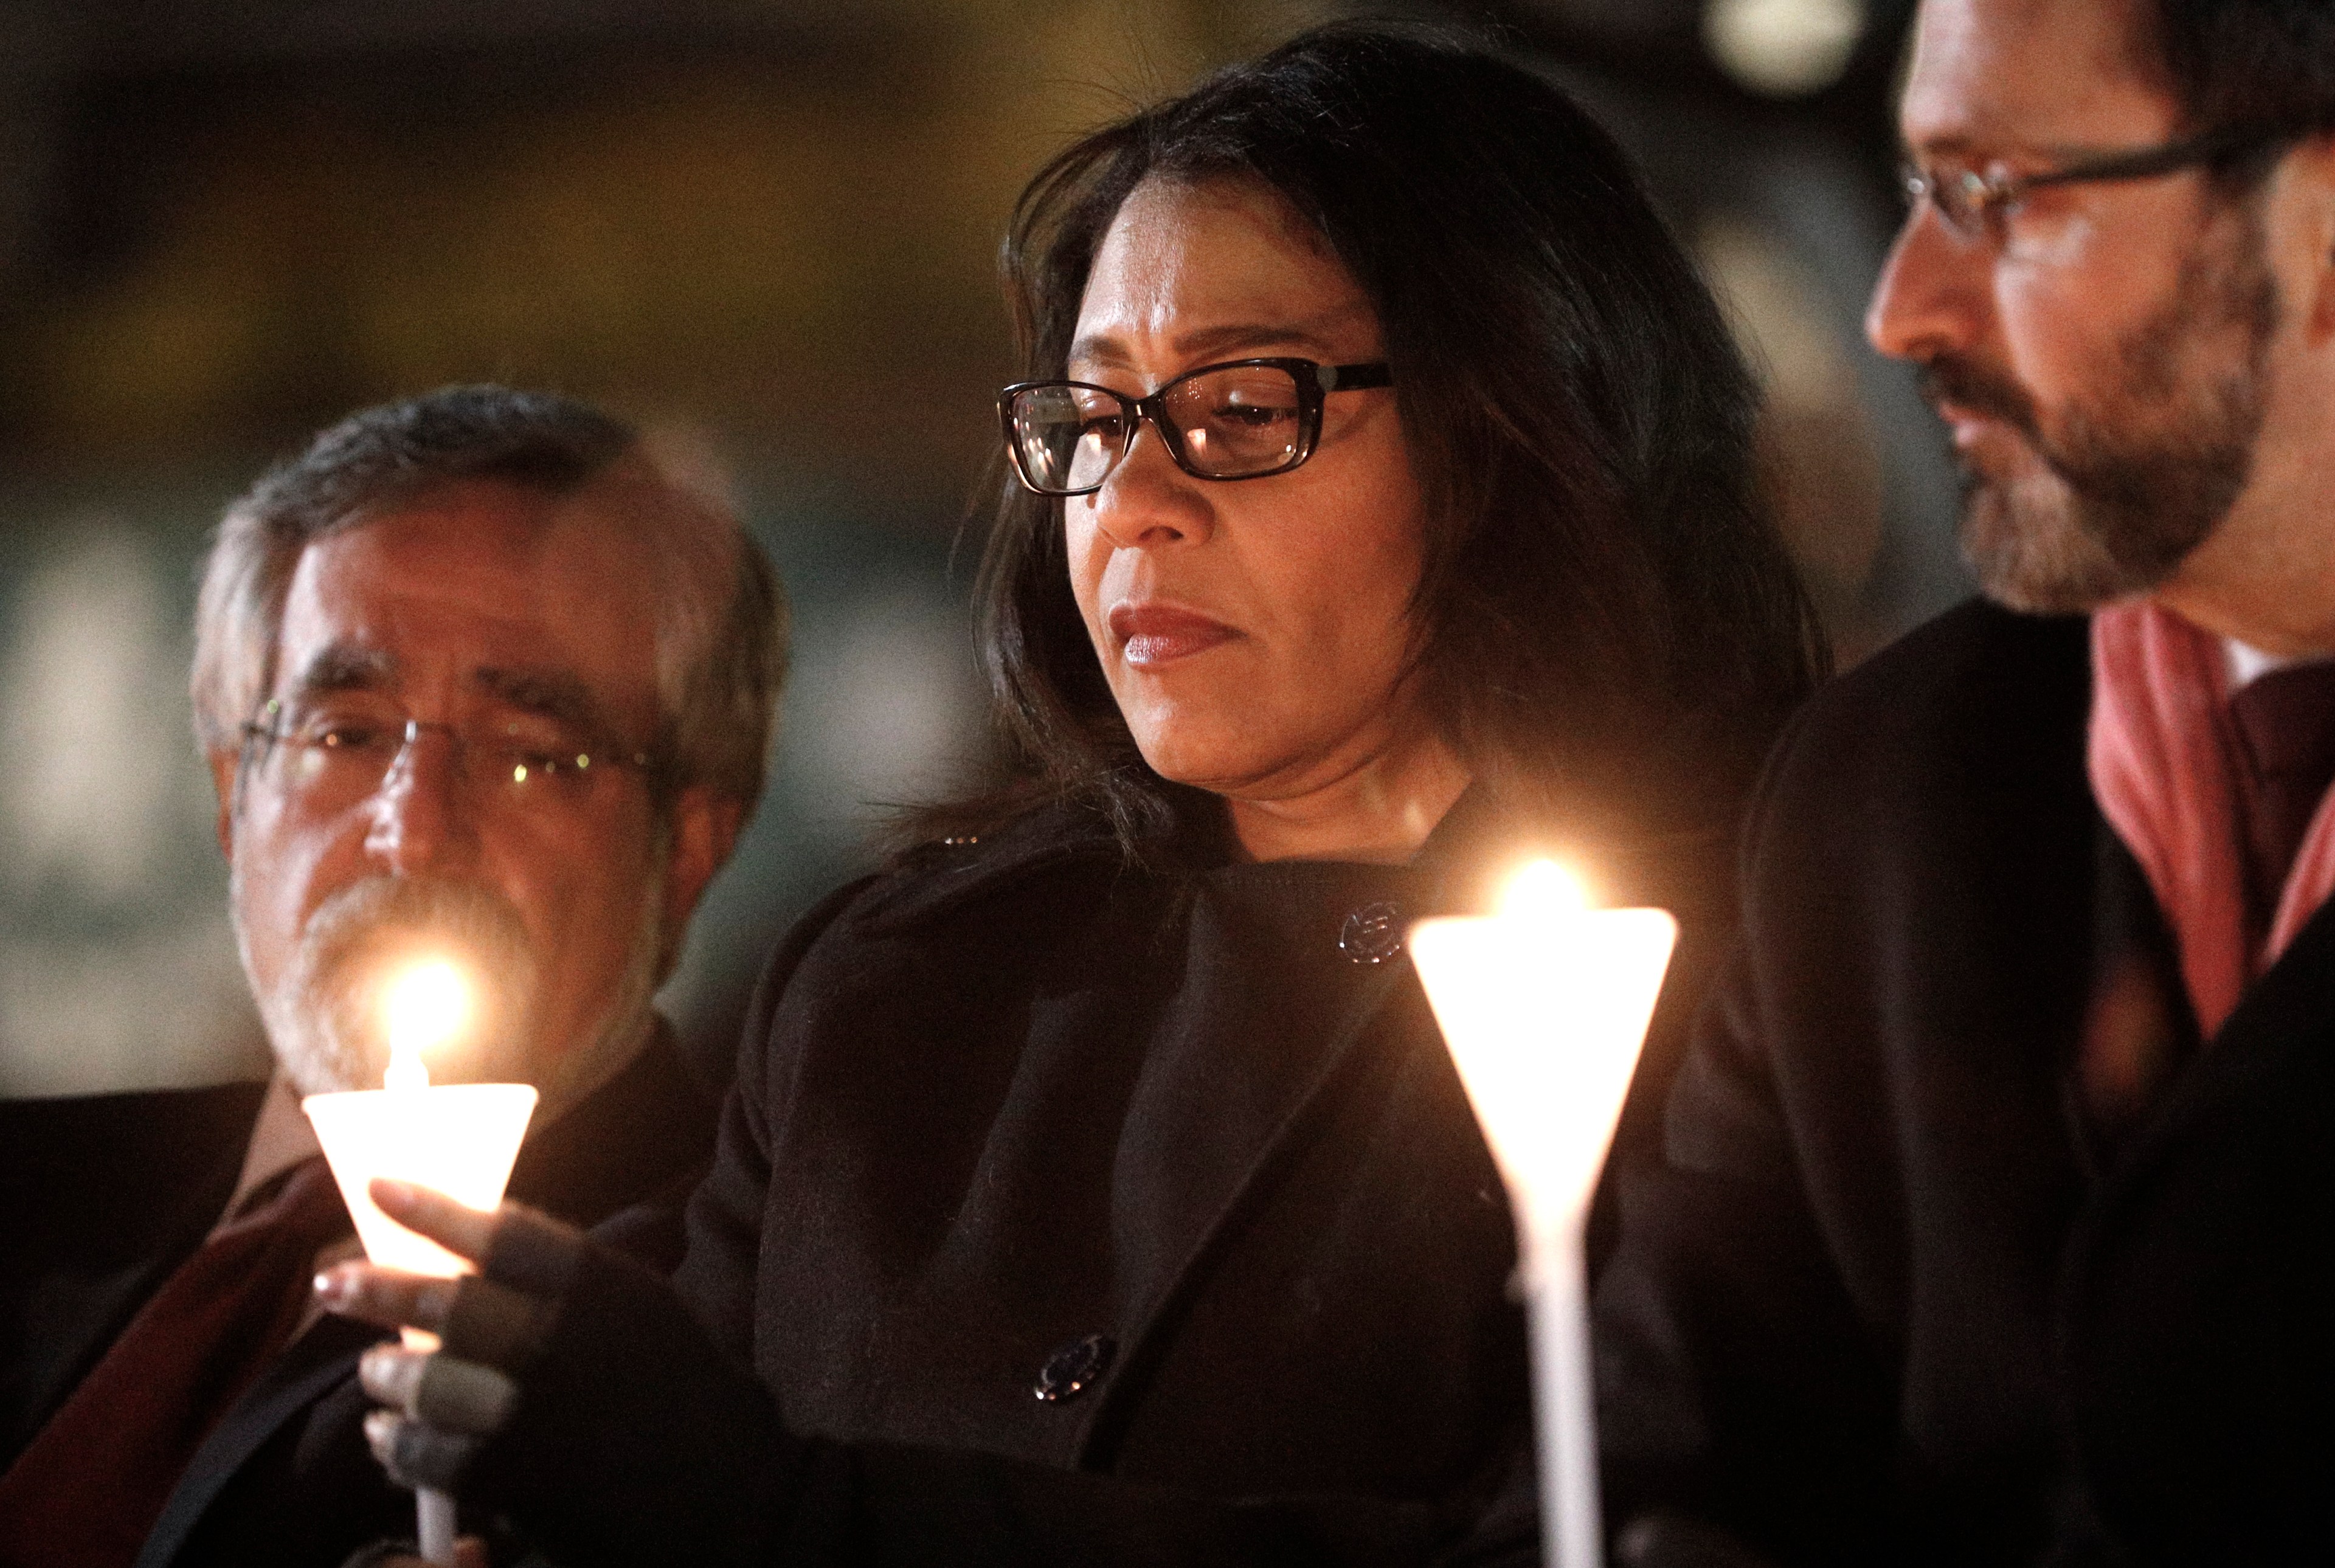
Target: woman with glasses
(1097, 1188)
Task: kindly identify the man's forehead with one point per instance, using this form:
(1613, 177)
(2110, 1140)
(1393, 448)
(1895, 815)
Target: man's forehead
(1991, 76)
(519, 598)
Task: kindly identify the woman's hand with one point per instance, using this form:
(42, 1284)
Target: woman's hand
(571, 1390)
(442, 1405)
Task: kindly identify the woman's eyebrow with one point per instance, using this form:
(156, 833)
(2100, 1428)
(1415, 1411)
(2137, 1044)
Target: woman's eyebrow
(1233, 339)
(1236, 339)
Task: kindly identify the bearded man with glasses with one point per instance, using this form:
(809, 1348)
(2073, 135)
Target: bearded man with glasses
(1996, 1222)
(476, 673)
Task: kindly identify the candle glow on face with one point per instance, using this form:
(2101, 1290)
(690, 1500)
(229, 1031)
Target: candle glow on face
(424, 1005)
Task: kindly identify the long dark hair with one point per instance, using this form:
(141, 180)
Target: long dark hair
(1603, 605)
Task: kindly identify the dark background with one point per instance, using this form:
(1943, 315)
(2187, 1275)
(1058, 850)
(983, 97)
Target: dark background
(766, 229)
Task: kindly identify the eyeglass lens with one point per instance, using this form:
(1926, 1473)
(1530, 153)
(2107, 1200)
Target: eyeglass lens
(335, 754)
(1960, 196)
(1235, 423)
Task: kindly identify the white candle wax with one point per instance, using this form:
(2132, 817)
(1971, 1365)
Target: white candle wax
(1544, 1007)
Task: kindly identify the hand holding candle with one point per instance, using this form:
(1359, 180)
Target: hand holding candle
(1544, 1007)
(459, 1139)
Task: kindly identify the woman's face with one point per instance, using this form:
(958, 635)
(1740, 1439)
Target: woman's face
(1254, 633)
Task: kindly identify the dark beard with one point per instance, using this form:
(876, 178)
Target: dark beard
(2146, 475)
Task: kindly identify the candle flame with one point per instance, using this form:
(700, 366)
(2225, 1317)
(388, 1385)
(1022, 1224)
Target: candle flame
(423, 1006)
(1544, 890)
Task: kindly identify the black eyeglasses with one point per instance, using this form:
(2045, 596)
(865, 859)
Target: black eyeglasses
(1973, 203)
(1242, 419)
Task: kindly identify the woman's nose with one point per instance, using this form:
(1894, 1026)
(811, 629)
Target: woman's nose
(1147, 502)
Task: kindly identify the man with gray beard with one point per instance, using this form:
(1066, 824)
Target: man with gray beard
(1996, 1222)
(476, 674)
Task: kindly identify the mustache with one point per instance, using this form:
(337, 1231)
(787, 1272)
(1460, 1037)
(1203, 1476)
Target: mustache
(1950, 379)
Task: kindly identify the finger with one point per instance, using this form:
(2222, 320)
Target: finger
(386, 1297)
(455, 1226)
(392, 1375)
(443, 1389)
(417, 1454)
(381, 1428)
(500, 1327)
(469, 1552)
(533, 1252)
(459, 1395)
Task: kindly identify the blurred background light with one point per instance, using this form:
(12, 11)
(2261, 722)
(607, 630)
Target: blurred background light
(1783, 47)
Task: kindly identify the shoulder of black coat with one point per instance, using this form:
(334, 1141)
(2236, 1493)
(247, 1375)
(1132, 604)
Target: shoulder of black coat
(930, 880)
(1972, 680)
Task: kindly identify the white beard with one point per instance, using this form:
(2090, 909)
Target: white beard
(324, 1015)
(324, 1021)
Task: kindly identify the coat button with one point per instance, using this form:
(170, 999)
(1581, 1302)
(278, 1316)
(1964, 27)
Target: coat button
(1068, 1371)
(1372, 934)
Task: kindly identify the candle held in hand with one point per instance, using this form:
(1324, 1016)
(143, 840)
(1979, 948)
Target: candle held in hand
(459, 1138)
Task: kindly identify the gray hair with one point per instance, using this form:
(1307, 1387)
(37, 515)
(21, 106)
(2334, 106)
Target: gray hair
(721, 620)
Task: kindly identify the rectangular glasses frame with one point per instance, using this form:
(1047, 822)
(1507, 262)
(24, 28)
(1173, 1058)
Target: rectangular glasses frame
(1313, 380)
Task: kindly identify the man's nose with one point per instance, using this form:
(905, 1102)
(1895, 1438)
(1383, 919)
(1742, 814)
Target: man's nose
(1932, 293)
(420, 821)
(1147, 501)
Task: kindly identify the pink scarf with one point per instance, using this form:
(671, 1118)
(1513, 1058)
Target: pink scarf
(2161, 763)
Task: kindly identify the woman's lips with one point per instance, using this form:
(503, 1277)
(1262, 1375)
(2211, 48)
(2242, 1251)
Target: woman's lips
(1150, 635)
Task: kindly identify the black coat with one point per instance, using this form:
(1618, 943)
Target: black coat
(1895, 1293)
(107, 1195)
(1068, 1211)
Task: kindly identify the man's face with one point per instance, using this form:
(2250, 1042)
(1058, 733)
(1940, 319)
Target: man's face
(2101, 355)
(483, 610)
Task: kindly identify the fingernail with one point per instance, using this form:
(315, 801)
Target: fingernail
(332, 1290)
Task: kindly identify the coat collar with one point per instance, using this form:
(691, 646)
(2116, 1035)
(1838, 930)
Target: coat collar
(1477, 842)
(933, 879)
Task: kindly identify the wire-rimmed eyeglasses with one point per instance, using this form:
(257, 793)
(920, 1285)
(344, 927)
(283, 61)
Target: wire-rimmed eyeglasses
(335, 753)
(1241, 420)
(1973, 203)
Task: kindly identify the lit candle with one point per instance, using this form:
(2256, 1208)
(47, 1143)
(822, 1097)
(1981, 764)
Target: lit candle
(459, 1138)
(423, 1006)
(1544, 1007)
